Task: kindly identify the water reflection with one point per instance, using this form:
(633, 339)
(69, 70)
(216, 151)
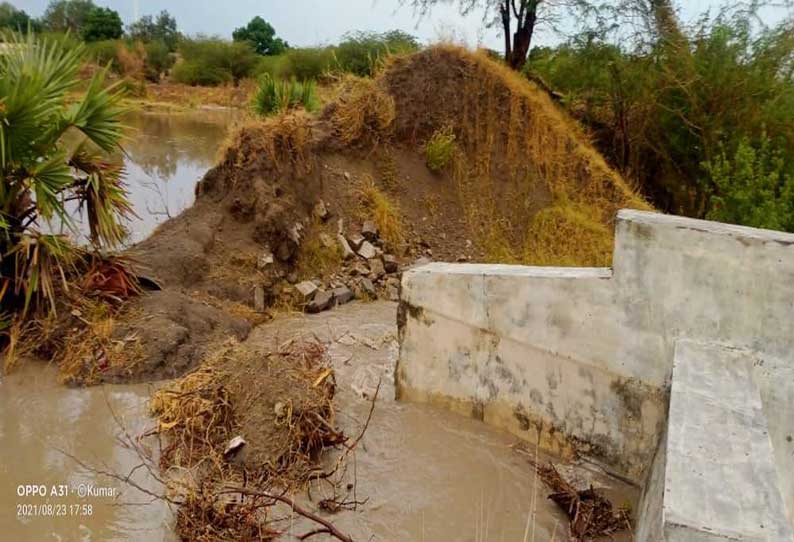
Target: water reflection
(165, 156)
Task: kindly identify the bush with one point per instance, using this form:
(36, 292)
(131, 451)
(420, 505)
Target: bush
(158, 60)
(279, 95)
(360, 52)
(752, 188)
(210, 62)
(440, 149)
(104, 53)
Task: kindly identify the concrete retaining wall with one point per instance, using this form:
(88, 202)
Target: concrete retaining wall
(583, 357)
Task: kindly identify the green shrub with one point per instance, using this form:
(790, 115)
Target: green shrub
(104, 53)
(753, 188)
(360, 52)
(440, 149)
(158, 60)
(211, 61)
(280, 95)
(308, 63)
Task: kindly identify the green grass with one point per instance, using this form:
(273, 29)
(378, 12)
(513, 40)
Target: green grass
(440, 149)
(276, 95)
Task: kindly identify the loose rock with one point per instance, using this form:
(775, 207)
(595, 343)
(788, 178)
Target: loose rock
(360, 268)
(342, 295)
(347, 252)
(322, 301)
(367, 250)
(264, 260)
(368, 288)
(376, 267)
(307, 289)
(369, 230)
(390, 263)
(356, 241)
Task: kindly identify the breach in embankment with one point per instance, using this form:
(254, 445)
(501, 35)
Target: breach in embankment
(444, 155)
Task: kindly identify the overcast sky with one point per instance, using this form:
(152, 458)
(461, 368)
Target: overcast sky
(312, 22)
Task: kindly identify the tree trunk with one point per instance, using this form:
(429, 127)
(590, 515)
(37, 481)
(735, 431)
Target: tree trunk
(504, 11)
(526, 18)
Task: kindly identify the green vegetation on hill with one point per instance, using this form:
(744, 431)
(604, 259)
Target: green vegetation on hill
(702, 118)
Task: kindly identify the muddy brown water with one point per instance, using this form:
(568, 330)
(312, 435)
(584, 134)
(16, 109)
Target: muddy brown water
(425, 474)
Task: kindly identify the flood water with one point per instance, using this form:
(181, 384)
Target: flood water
(165, 155)
(425, 474)
(44, 426)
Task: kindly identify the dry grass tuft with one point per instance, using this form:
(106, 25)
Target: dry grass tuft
(363, 113)
(440, 149)
(566, 234)
(279, 143)
(314, 258)
(379, 208)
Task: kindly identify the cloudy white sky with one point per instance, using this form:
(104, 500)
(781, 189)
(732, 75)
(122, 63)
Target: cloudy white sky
(311, 22)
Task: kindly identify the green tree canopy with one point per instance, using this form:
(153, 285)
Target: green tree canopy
(262, 37)
(163, 28)
(102, 24)
(71, 15)
(16, 19)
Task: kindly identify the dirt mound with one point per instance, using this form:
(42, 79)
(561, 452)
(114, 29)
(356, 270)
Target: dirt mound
(533, 188)
(308, 211)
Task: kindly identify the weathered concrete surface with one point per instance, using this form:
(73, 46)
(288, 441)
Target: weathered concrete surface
(586, 355)
(500, 342)
(714, 477)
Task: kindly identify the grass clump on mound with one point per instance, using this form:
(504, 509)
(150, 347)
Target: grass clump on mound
(440, 149)
(363, 114)
(518, 153)
(384, 213)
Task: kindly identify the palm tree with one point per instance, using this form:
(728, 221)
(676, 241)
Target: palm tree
(55, 148)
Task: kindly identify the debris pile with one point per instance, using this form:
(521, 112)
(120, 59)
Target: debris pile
(591, 514)
(249, 428)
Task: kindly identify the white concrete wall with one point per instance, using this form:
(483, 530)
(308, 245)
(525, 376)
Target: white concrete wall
(583, 357)
(714, 478)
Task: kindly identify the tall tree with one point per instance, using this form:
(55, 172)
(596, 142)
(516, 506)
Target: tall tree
(16, 19)
(518, 20)
(102, 24)
(63, 15)
(148, 29)
(262, 36)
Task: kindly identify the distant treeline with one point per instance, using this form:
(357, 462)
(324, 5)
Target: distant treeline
(153, 46)
(700, 117)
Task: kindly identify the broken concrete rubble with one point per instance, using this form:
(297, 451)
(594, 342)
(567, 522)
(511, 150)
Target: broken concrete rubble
(321, 301)
(390, 263)
(343, 295)
(376, 267)
(347, 252)
(367, 250)
(370, 231)
(355, 241)
(307, 289)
